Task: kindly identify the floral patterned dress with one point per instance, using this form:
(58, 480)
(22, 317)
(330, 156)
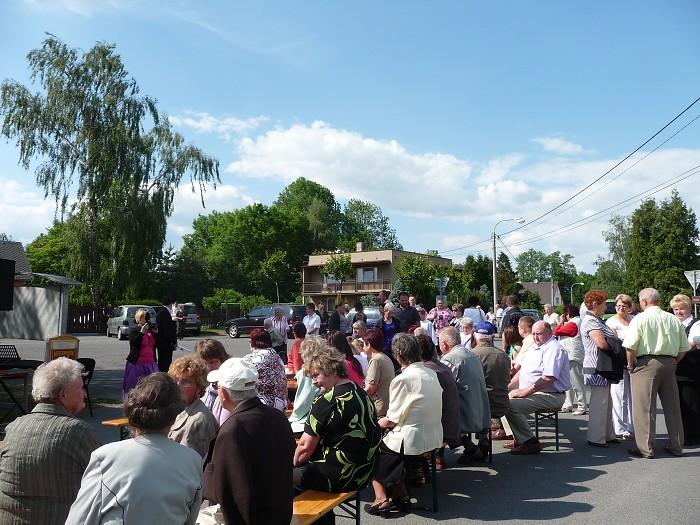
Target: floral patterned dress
(272, 381)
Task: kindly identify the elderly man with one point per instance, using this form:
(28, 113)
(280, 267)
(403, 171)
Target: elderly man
(540, 384)
(475, 414)
(406, 314)
(46, 452)
(248, 469)
(655, 342)
(450, 396)
(496, 367)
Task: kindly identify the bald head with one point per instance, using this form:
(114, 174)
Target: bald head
(541, 332)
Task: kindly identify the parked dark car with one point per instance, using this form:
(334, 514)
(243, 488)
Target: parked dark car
(256, 317)
(535, 314)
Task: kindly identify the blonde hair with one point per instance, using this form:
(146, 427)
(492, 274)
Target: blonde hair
(190, 366)
(679, 300)
(140, 315)
(326, 359)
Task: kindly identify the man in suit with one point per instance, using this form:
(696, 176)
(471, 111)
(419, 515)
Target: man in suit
(248, 470)
(473, 398)
(166, 342)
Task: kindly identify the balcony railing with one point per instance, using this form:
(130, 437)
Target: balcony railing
(360, 287)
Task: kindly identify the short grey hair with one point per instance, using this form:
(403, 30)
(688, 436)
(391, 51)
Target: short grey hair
(389, 308)
(267, 323)
(360, 325)
(650, 295)
(449, 336)
(483, 337)
(278, 309)
(547, 305)
(242, 395)
(420, 331)
(466, 321)
(54, 376)
(405, 348)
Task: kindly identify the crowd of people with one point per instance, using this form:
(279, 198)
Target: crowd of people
(366, 410)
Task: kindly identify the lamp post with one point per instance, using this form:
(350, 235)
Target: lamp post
(572, 291)
(519, 220)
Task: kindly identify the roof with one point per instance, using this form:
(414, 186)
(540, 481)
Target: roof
(14, 251)
(543, 289)
(58, 279)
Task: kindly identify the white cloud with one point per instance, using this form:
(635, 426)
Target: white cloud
(353, 166)
(86, 8)
(559, 146)
(205, 123)
(24, 213)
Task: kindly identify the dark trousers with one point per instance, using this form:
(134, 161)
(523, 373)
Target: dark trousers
(689, 394)
(165, 358)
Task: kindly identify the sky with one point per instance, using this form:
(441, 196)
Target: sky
(450, 116)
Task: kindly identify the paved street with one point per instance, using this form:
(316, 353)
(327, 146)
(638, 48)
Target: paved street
(577, 485)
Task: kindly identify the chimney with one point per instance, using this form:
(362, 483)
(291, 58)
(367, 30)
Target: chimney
(360, 247)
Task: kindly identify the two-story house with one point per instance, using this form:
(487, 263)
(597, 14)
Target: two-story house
(374, 271)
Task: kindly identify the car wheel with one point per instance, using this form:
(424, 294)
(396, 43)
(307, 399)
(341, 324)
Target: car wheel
(108, 334)
(233, 331)
(197, 331)
(121, 335)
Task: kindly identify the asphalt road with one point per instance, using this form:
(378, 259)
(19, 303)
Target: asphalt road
(578, 485)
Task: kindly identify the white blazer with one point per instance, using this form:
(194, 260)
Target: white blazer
(415, 405)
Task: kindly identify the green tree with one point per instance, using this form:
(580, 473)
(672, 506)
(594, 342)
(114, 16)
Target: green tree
(338, 267)
(618, 238)
(530, 299)
(418, 275)
(92, 133)
(48, 253)
(365, 222)
(663, 243)
(254, 250)
(506, 278)
(318, 206)
(534, 265)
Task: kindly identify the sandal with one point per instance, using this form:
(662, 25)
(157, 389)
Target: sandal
(403, 503)
(377, 507)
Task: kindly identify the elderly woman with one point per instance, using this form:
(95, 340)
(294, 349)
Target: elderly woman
(272, 381)
(306, 390)
(568, 330)
(621, 393)
(688, 372)
(358, 329)
(339, 342)
(550, 316)
(195, 426)
(147, 479)
(47, 445)
(337, 451)
(389, 327)
(466, 332)
(593, 333)
(380, 371)
(413, 424)
(213, 353)
(141, 360)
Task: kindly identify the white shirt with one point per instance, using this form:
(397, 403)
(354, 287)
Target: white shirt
(310, 322)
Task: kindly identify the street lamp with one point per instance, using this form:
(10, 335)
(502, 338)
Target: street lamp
(519, 220)
(572, 291)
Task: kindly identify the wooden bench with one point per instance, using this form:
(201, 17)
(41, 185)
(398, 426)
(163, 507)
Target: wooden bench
(547, 415)
(122, 423)
(310, 505)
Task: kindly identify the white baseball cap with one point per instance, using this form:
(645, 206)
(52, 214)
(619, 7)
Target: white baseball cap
(235, 374)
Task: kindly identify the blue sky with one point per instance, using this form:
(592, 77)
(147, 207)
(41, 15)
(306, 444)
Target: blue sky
(448, 115)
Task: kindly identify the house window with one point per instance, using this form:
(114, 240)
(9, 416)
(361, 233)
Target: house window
(367, 275)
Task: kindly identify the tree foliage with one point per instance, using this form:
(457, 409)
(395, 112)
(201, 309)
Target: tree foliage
(365, 222)
(506, 278)
(534, 265)
(417, 275)
(338, 267)
(318, 206)
(663, 243)
(96, 139)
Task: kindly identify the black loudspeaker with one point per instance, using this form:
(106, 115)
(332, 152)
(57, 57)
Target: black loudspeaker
(7, 283)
